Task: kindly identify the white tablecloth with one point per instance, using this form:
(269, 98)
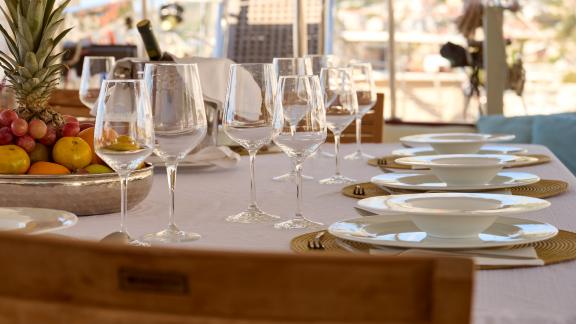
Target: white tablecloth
(205, 197)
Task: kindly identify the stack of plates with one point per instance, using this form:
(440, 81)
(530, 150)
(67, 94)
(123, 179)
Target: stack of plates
(446, 221)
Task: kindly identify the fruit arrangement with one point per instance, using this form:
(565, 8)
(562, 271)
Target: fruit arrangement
(37, 148)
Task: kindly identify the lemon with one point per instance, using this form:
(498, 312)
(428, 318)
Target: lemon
(72, 152)
(98, 168)
(13, 160)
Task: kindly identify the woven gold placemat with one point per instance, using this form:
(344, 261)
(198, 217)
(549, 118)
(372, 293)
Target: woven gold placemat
(540, 189)
(388, 162)
(264, 150)
(560, 248)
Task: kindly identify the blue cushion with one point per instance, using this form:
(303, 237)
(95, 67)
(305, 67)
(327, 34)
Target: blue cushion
(558, 133)
(520, 126)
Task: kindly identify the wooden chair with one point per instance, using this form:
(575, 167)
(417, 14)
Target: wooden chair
(53, 280)
(68, 102)
(372, 126)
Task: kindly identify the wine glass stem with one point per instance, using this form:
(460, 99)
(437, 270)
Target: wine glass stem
(359, 134)
(337, 152)
(252, 154)
(123, 201)
(171, 168)
(299, 195)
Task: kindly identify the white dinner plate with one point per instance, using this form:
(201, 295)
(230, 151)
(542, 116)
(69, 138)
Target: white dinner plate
(487, 203)
(486, 149)
(35, 220)
(455, 143)
(464, 160)
(399, 231)
(455, 138)
(419, 181)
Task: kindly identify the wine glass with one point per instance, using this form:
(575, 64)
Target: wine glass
(366, 96)
(341, 109)
(299, 130)
(284, 66)
(95, 69)
(247, 119)
(124, 137)
(292, 66)
(318, 62)
(179, 126)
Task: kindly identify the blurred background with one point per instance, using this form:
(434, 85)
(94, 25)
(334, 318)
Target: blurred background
(541, 35)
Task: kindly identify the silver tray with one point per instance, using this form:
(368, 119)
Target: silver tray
(81, 194)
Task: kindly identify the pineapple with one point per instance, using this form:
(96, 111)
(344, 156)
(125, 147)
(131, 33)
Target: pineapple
(31, 66)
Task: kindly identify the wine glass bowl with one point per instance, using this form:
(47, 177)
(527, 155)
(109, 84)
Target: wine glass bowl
(248, 120)
(95, 70)
(318, 62)
(366, 96)
(179, 124)
(286, 66)
(341, 108)
(299, 130)
(124, 135)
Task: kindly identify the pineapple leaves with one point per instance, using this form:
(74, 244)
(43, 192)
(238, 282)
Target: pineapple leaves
(10, 42)
(34, 19)
(7, 60)
(31, 63)
(46, 48)
(48, 9)
(24, 72)
(24, 32)
(52, 58)
(62, 35)
(52, 29)
(24, 6)
(12, 7)
(57, 12)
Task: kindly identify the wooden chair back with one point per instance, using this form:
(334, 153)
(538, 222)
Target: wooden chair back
(67, 102)
(372, 125)
(53, 280)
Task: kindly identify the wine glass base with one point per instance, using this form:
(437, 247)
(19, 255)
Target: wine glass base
(298, 223)
(122, 237)
(337, 179)
(135, 242)
(252, 215)
(358, 155)
(291, 177)
(171, 235)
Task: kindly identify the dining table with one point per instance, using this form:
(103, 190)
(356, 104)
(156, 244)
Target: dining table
(206, 196)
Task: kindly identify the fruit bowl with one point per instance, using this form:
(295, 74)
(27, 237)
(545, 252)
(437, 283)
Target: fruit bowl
(81, 194)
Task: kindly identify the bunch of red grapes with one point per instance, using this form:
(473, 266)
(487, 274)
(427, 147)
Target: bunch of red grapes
(15, 130)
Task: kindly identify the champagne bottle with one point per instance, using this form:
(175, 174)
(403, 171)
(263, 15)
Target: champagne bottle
(150, 43)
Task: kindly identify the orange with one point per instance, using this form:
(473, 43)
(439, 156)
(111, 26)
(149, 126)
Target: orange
(72, 152)
(42, 167)
(88, 136)
(13, 160)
